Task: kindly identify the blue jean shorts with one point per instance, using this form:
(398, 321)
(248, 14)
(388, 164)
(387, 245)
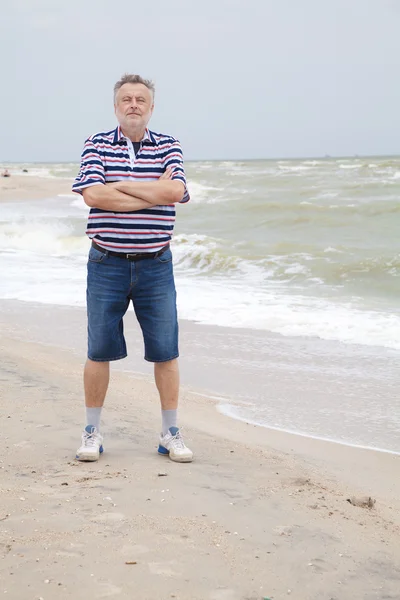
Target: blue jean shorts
(112, 283)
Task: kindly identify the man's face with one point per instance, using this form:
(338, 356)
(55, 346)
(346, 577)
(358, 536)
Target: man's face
(133, 106)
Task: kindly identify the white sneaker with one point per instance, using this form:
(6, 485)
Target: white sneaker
(172, 445)
(92, 445)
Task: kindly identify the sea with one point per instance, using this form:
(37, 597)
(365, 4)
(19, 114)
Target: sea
(305, 249)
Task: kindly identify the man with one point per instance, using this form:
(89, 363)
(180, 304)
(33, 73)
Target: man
(131, 178)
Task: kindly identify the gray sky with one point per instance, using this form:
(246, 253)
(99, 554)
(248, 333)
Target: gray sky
(234, 78)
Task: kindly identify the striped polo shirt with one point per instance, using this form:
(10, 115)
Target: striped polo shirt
(110, 156)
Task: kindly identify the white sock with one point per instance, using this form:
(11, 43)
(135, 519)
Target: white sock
(93, 416)
(169, 419)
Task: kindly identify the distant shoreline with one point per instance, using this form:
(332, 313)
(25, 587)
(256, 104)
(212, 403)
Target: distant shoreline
(23, 187)
(198, 160)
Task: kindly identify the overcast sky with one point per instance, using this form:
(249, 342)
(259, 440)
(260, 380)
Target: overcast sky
(234, 78)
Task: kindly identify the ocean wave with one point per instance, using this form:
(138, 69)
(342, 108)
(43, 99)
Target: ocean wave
(284, 263)
(41, 238)
(203, 254)
(205, 194)
(294, 168)
(283, 253)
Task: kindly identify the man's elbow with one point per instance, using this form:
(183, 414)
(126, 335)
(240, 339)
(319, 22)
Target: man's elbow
(177, 192)
(89, 196)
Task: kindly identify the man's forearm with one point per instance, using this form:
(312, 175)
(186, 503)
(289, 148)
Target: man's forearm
(108, 197)
(155, 192)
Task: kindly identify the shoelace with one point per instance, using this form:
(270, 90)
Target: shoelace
(90, 439)
(177, 441)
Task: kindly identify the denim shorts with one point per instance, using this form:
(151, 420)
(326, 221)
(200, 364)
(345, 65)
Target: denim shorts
(112, 282)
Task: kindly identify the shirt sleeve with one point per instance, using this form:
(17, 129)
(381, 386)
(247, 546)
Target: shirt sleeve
(91, 171)
(174, 160)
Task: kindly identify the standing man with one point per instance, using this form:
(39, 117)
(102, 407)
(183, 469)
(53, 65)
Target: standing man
(131, 178)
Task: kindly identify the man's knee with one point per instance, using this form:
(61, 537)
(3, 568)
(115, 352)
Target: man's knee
(167, 365)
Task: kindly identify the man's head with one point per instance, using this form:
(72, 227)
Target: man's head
(133, 103)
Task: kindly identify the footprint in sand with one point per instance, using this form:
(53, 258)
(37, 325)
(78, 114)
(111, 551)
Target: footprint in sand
(320, 566)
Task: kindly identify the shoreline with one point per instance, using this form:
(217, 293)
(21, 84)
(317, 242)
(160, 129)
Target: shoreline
(341, 459)
(225, 412)
(301, 386)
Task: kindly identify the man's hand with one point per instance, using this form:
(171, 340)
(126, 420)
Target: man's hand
(167, 174)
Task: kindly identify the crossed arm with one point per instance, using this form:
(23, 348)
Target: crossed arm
(125, 196)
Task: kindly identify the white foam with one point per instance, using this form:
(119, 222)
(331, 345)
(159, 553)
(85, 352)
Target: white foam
(294, 168)
(41, 237)
(230, 304)
(79, 202)
(327, 195)
(334, 250)
(200, 193)
(45, 279)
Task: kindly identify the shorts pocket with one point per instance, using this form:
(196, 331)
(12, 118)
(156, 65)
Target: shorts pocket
(165, 258)
(96, 256)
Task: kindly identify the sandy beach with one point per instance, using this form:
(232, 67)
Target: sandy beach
(243, 521)
(26, 187)
(260, 514)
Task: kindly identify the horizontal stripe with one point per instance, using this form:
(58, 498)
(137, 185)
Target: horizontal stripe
(131, 225)
(168, 209)
(128, 231)
(125, 223)
(125, 247)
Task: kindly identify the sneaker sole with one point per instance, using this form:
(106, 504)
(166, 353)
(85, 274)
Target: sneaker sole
(89, 457)
(182, 459)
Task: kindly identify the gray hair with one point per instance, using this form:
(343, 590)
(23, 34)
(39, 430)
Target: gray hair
(129, 78)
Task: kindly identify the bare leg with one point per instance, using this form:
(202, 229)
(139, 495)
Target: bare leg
(167, 381)
(96, 377)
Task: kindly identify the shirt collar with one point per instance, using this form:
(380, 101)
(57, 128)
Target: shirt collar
(148, 136)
